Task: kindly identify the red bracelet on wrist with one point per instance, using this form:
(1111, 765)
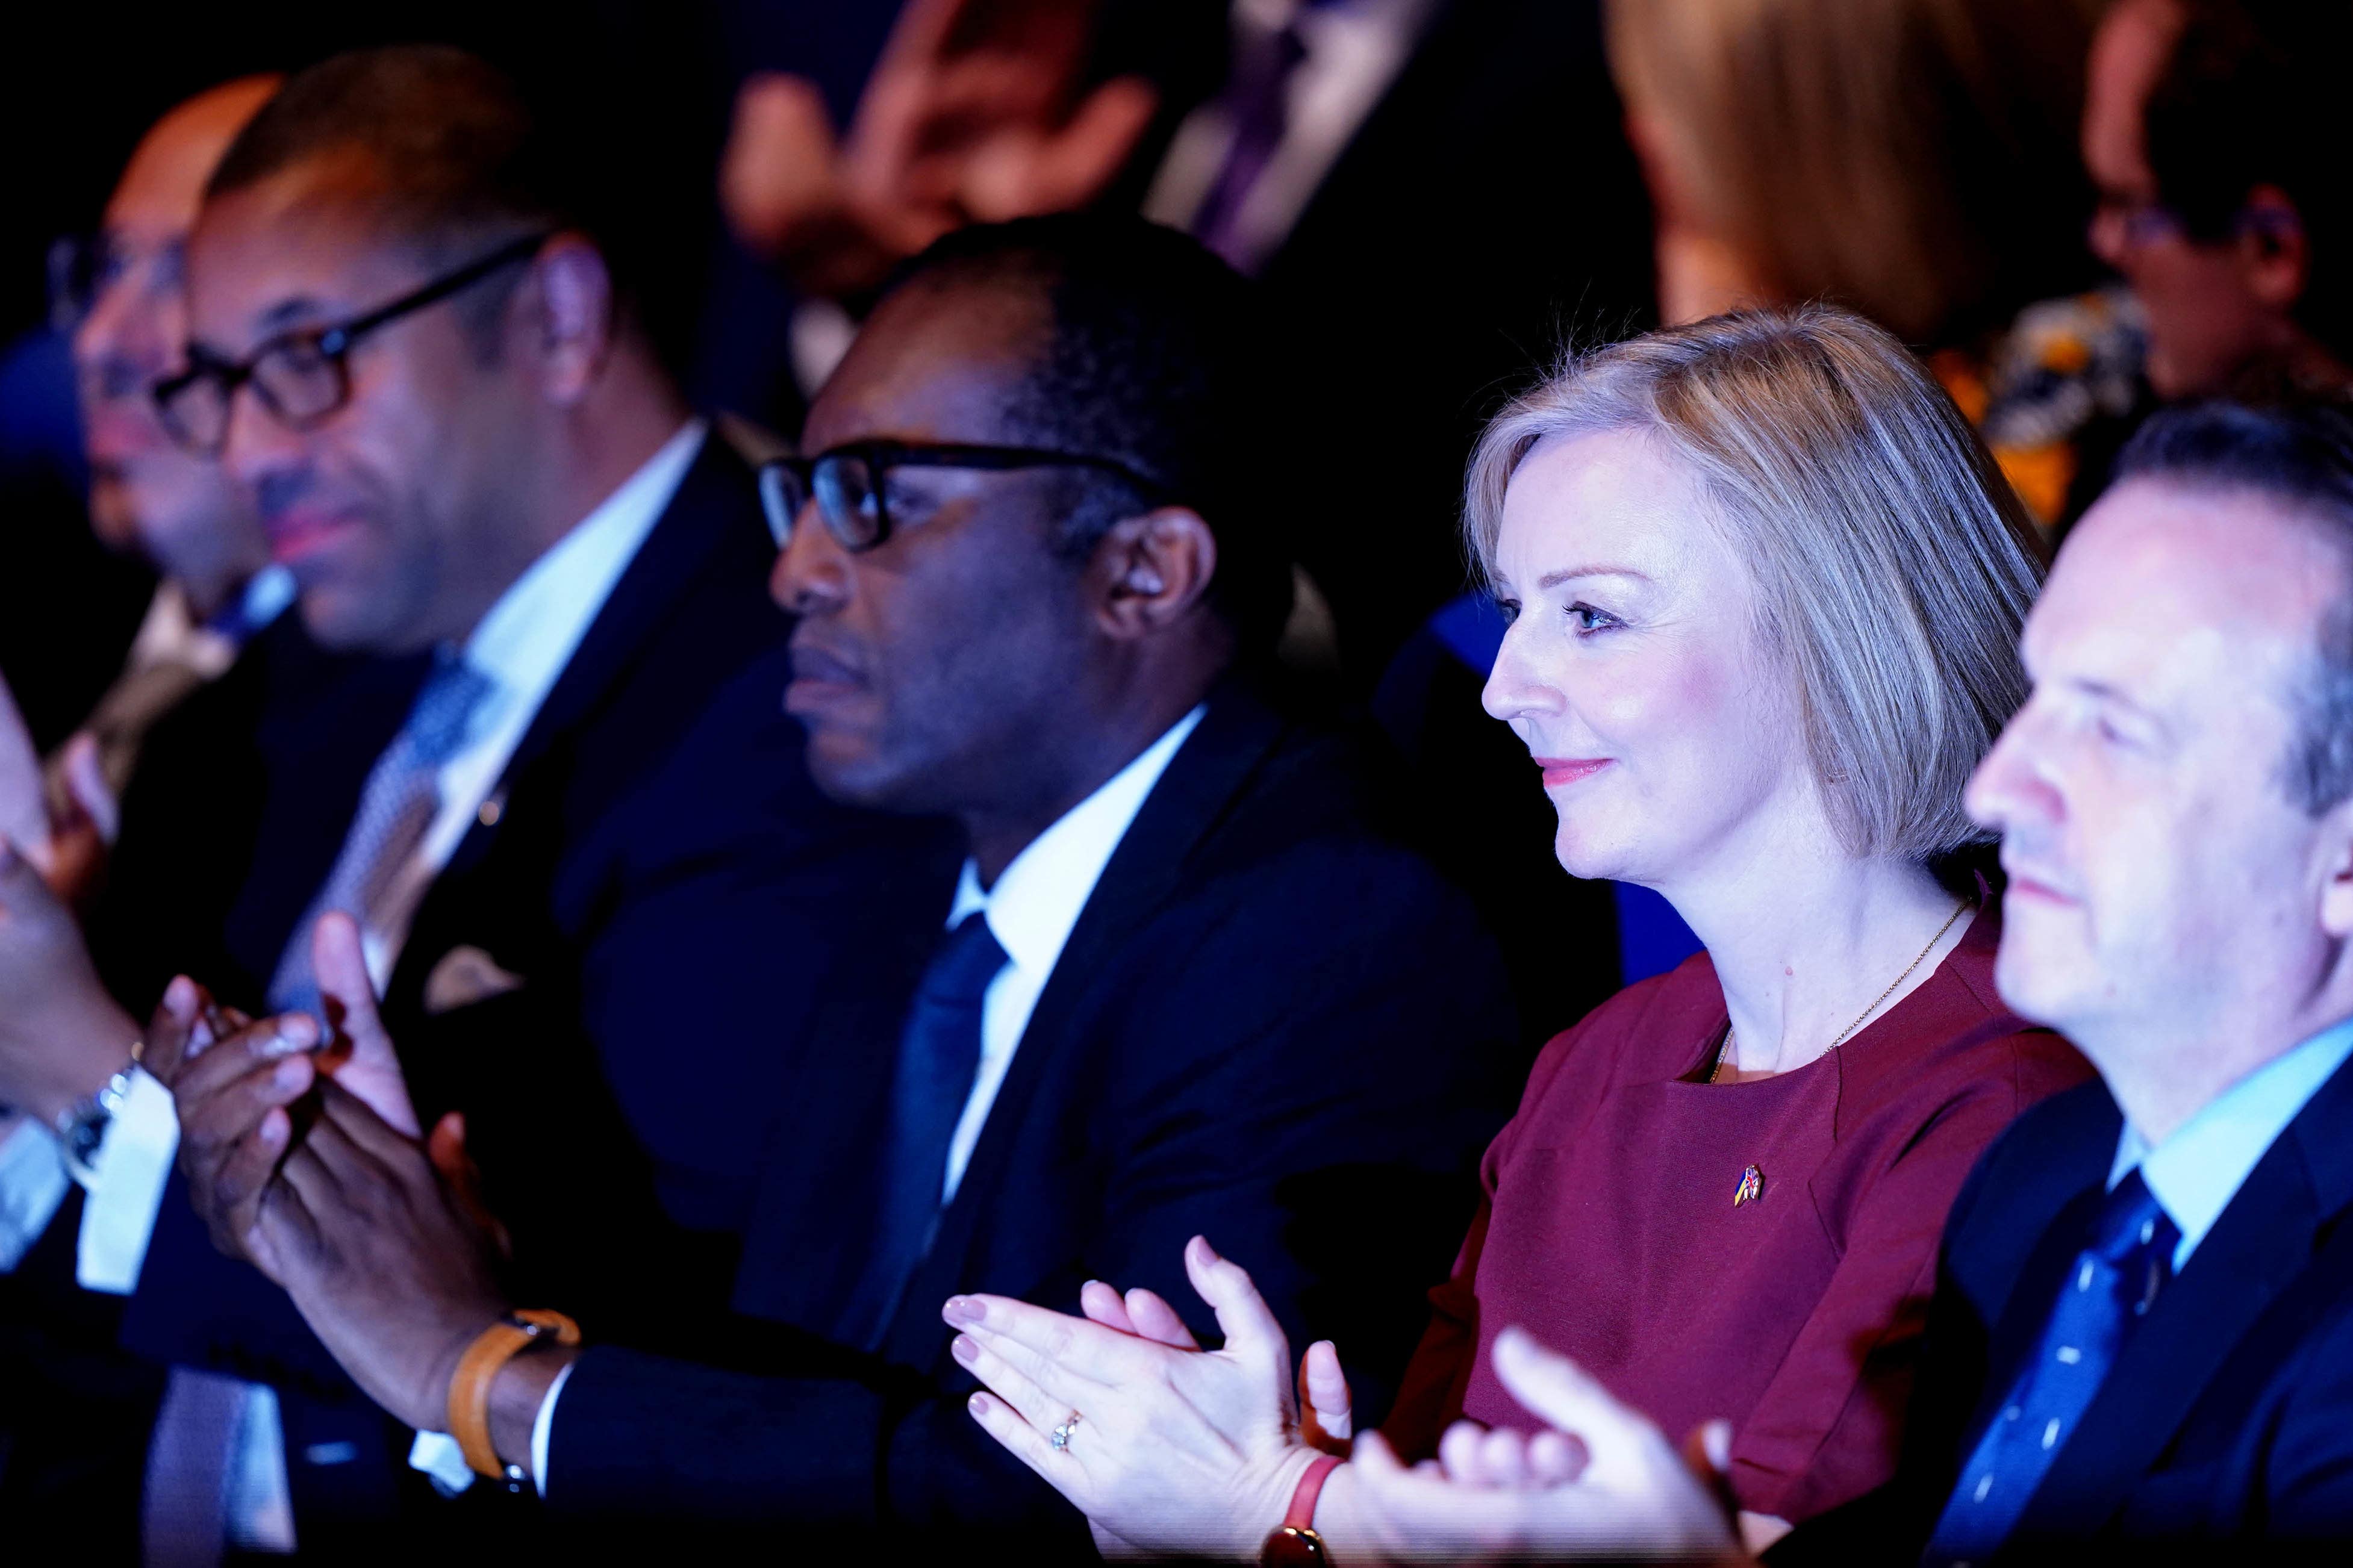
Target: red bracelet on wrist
(1294, 1542)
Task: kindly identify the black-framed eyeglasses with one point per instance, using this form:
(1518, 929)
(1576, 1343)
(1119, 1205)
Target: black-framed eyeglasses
(850, 484)
(300, 377)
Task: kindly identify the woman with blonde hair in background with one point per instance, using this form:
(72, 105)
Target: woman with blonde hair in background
(1912, 160)
(1764, 590)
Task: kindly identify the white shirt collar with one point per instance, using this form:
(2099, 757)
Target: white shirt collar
(529, 635)
(2196, 1172)
(524, 644)
(1037, 899)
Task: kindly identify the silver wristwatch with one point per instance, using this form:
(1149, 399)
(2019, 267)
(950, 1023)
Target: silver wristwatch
(81, 1126)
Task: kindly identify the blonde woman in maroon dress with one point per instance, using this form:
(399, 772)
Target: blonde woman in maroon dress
(1765, 587)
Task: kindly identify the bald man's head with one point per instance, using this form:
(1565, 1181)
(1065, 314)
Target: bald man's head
(146, 495)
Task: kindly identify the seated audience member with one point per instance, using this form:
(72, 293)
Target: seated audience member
(147, 496)
(2142, 1335)
(73, 1427)
(2212, 129)
(1184, 985)
(1763, 586)
(1913, 160)
(576, 845)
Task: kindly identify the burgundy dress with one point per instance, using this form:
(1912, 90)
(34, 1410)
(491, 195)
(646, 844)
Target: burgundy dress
(1609, 1228)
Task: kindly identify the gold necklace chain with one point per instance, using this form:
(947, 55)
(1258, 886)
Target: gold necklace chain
(1723, 1051)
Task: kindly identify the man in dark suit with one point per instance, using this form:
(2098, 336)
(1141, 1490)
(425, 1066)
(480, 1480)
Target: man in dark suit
(569, 838)
(2142, 1334)
(1187, 984)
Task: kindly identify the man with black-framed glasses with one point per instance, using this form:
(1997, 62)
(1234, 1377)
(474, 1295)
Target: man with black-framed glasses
(579, 855)
(1185, 982)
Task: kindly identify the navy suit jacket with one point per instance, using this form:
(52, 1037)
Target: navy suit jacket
(1270, 1026)
(674, 896)
(2228, 1419)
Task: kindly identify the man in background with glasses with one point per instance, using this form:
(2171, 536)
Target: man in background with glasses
(2213, 130)
(1185, 984)
(581, 860)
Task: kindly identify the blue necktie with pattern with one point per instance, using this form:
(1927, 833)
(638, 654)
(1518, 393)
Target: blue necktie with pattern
(2111, 1286)
(939, 1056)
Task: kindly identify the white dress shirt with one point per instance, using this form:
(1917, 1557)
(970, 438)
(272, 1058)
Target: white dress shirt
(1352, 53)
(2195, 1173)
(1031, 910)
(523, 645)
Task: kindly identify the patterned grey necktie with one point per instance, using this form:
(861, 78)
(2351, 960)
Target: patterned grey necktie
(398, 806)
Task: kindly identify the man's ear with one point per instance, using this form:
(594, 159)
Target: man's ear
(2274, 254)
(570, 317)
(2336, 889)
(1152, 569)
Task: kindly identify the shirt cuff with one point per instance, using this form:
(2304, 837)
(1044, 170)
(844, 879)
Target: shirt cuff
(33, 1185)
(543, 1424)
(125, 1184)
(444, 1463)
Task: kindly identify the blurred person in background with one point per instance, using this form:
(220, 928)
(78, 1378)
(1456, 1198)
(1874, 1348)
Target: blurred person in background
(1340, 152)
(2213, 130)
(1913, 160)
(1764, 588)
(77, 1410)
(148, 496)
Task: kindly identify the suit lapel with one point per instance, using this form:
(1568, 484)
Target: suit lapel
(711, 500)
(805, 1250)
(1213, 770)
(2256, 1251)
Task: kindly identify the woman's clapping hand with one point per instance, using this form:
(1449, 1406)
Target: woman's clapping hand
(1174, 1448)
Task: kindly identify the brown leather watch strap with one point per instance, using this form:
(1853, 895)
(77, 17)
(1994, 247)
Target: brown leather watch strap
(470, 1385)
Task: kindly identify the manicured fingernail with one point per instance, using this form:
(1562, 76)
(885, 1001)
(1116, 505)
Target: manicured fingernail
(965, 1350)
(962, 1309)
(1209, 1253)
(274, 1128)
(977, 1405)
(1716, 1438)
(292, 1073)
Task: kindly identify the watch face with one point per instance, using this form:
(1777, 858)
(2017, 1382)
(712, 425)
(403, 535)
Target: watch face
(1290, 1547)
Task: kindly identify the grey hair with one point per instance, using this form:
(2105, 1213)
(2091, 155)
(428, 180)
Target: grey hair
(1891, 558)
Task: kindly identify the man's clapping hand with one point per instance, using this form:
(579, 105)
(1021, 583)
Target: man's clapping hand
(387, 1262)
(1602, 1482)
(237, 1083)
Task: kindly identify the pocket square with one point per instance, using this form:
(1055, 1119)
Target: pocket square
(464, 976)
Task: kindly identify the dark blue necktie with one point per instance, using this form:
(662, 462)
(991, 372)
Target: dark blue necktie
(939, 1055)
(2111, 1285)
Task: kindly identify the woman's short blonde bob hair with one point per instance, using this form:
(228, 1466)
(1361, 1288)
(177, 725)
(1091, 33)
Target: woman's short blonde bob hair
(1889, 555)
